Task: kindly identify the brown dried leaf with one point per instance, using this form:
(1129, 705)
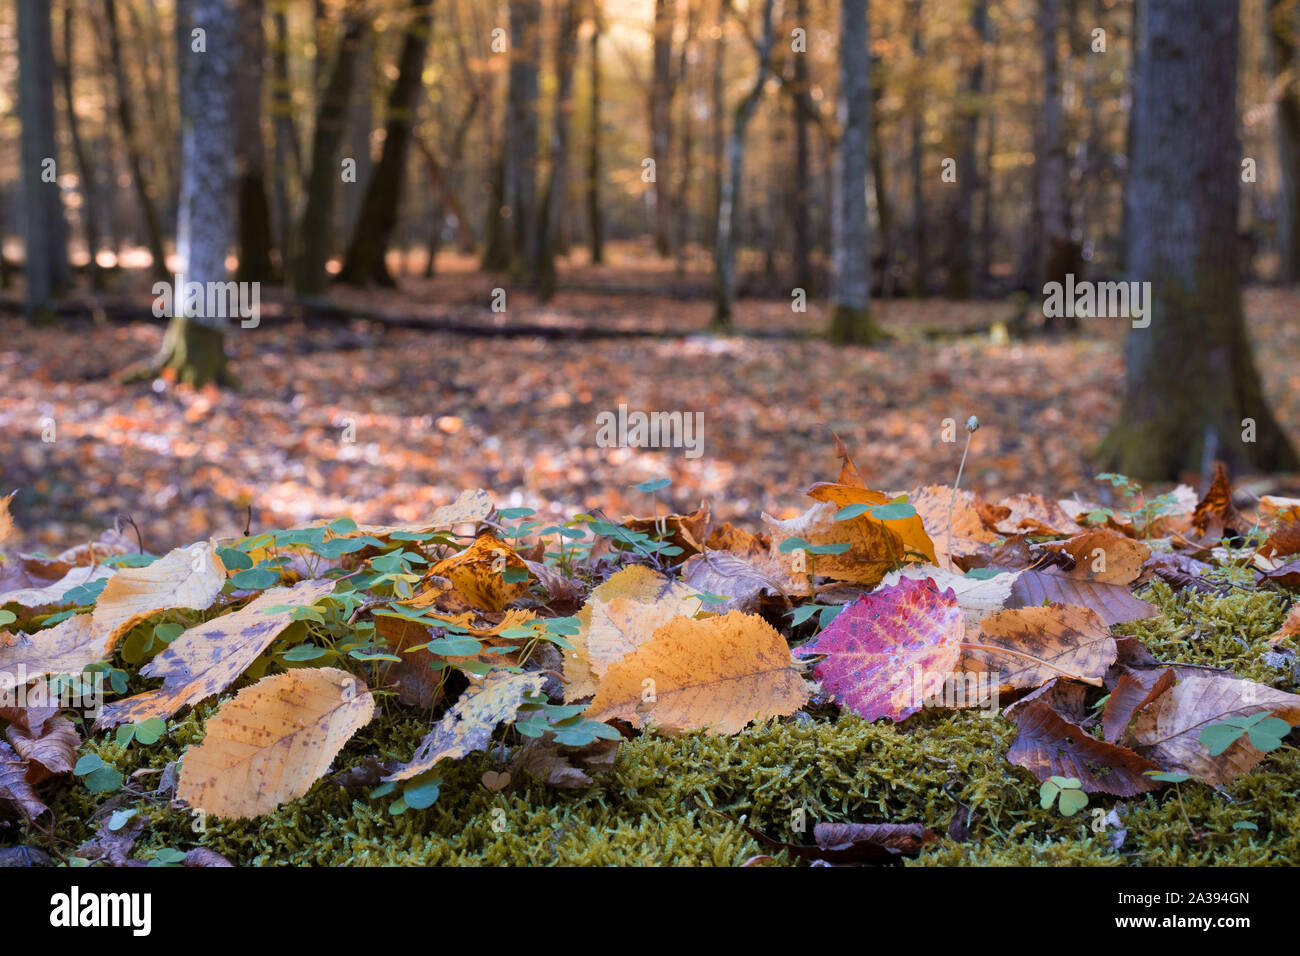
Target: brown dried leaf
(1128, 699)
(1035, 514)
(51, 749)
(1168, 730)
(1113, 603)
(15, 792)
(1048, 745)
(478, 573)
(66, 648)
(188, 577)
(726, 575)
(1027, 647)
(271, 742)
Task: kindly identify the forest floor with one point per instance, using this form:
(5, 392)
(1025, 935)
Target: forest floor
(384, 423)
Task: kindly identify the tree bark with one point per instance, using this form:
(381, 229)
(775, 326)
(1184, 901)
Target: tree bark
(803, 111)
(365, 260)
(315, 242)
(288, 154)
(661, 99)
(1282, 25)
(724, 255)
(194, 346)
(250, 152)
(1056, 254)
(85, 172)
(851, 320)
(126, 120)
(920, 252)
(553, 202)
(519, 143)
(1191, 387)
(961, 236)
(595, 218)
(44, 227)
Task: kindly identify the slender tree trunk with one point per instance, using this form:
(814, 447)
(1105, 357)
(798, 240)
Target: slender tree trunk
(1051, 168)
(718, 115)
(920, 255)
(961, 236)
(250, 152)
(194, 346)
(595, 219)
(1282, 26)
(315, 242)
(681, 172)
(85, 172)
(803, 111)
(661, 99)
(45, 229)
(519, 143)
(553, 203)
(851, 319)
(1192, 393)
(365, 259)
(288, 154)
(724, 255)
(984, 247)
(884, 212)
(360, 123)
(126, 120)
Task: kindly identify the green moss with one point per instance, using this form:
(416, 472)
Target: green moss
(655, 806)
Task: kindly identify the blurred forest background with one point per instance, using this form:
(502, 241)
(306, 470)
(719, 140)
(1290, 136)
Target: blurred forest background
(477, 224)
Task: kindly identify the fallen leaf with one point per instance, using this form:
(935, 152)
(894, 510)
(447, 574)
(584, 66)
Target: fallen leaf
(471, 506)
(885, 645)
(1113, 603)
(716, 674)
(207, 658)
(1037, 515)
(1047, 745)
(874, 548)
(15, 792)
(739, 542)
(731, 577)
(1027, 647)
(1105, 557)
(67, 648)
(565, 768)
(909, 528)
(968, 531)
(1215, 514)
(52, 596)
(1168, 730)
(272, 741)
(1128, 699)
(684, 531)
(1283, 541)
(112, 847)
(634, 583)
(6, 519)
(188, 577)
(480, 571)
(977, 596)
(202, 856)
(1066, 697)
(50, 749)
(468, 726)
(1290, 626)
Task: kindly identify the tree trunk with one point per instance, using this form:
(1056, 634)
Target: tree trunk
(519, 143)
(718, 116)
(1282, 26)
(126, 120)
(884, 212)
(851, 319)
(724, 255)
(365, 259)
(595, 220)
(44, 227)
(194, 346)
(961, 235)
(984, 247)
(661, 99)
(85, 173)
(1192, 393)
(920, 254)
(681, 171)
(315, 235)
(553, 203)
(288, 154)
(250, 152)
(803, 111)
(1055, 253)
(360, 123)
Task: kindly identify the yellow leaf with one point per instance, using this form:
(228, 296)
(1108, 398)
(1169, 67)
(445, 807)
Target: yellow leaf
(620, 626)
(468, 726)
(635, 583)
(717, 675)
(910, 530)
(874, 548)
(189, 577)
(470, 506)
(6, 519)
(273, 741)
(206, 659)
(478, 573)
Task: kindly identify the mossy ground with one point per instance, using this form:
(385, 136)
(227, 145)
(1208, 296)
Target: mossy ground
(654, 808)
